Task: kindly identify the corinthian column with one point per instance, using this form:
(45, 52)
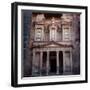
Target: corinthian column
(63, 62)
(47, 62)
(41, 55)
(33, 61)
(57, 62)
(71, 60)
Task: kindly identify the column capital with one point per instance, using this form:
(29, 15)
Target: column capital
(41, 51)
(33, 50)
(48, 52)
(57, 51)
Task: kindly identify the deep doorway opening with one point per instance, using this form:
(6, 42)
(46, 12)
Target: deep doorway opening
(52, 59)
(60, 62)
(44, 67)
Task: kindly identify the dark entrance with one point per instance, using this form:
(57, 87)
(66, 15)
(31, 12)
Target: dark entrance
(61, 62)
(52, 58)
(44, 67)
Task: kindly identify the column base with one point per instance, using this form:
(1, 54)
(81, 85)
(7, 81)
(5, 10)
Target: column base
(67, 73)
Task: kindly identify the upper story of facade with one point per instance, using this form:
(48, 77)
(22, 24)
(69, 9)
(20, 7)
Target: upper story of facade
(57, 28)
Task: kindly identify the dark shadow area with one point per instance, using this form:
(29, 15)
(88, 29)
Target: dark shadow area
(44, 63)
(52, 62)
(61, 62)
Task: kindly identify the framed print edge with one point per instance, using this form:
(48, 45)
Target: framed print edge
(86, 52)
(14, 43)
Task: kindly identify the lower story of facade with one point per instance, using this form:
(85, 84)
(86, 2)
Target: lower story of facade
(52, 61)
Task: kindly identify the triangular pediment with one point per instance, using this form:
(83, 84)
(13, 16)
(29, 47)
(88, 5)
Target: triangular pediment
(52, 45)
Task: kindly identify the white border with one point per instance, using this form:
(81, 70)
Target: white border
(30, 80)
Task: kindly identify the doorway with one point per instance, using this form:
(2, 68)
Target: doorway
(52, 59)
(44, 62)
(60, 62)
